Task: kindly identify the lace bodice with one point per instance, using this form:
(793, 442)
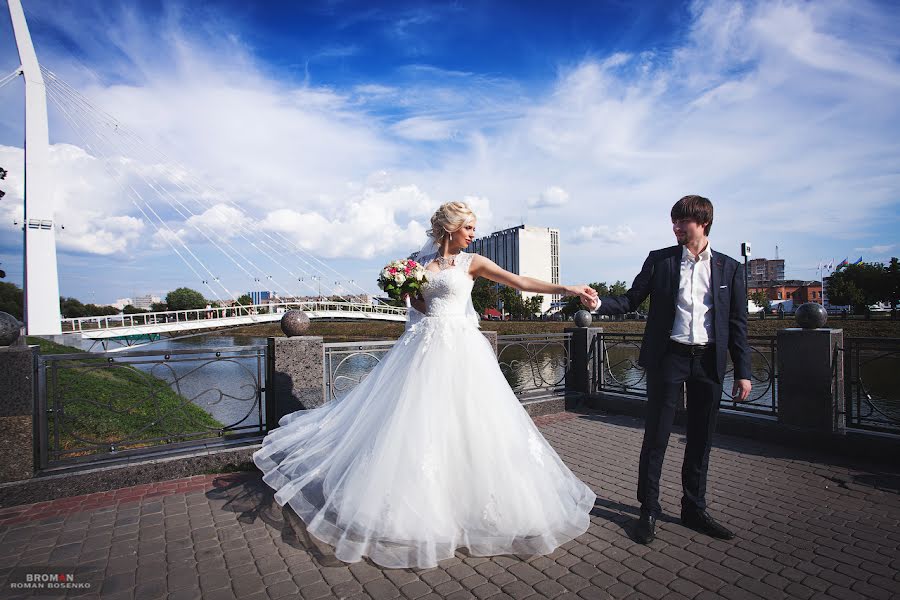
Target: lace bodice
(447, 292)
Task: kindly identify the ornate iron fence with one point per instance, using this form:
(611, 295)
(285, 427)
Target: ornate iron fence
(97, 406)
(348, 363)
(532, 364)
(535, 363)
(615, 369)
(871, 383)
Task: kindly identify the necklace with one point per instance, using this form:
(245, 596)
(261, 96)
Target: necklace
(447, 262)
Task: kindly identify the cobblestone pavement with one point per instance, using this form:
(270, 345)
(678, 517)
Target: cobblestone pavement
(807, 525)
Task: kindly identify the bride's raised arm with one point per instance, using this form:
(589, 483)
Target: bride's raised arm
(485, 267)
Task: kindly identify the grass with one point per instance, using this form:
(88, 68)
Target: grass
(108, 404)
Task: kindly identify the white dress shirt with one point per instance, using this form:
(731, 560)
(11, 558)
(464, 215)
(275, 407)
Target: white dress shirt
(693, 311)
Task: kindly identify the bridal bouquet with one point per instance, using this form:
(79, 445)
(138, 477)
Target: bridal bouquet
(400, 277)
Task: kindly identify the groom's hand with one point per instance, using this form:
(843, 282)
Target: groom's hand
(586, 293)
(591, 305)
(741, 390)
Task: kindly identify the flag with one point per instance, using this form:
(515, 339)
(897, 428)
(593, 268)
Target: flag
(830, 265)
(843, 263)
(858, 261)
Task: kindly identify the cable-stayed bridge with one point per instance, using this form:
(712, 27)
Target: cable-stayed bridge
(209, 233)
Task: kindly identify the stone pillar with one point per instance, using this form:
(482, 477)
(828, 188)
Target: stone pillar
(492, 339)
(579, 375)
(811, 379)
(296, 376)
(18, 450)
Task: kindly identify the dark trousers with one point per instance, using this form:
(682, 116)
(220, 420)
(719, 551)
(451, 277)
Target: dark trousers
(664, 386)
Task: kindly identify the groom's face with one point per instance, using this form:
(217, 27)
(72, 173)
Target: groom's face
(687, 230)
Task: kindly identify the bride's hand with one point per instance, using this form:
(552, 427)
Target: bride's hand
(417, 301)
(586, 293)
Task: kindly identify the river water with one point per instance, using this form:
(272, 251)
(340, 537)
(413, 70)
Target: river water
(226, 387)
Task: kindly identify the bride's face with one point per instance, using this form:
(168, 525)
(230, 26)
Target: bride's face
(465, 235)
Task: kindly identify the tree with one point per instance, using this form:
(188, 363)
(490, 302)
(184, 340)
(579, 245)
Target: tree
(892, 284)
(512, 302)
(159, 307)
(185, 299)
(533, 305)
(245, 300)
(12, 299)
(618, 289)
(484, 295)
(72, 308)
(761, 300)
(94, 310)
(859, 286)
(133, 310)
(571, 305)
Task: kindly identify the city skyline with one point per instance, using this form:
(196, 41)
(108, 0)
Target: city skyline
(343, 126)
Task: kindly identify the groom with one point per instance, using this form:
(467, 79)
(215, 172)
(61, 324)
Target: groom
(698, 311)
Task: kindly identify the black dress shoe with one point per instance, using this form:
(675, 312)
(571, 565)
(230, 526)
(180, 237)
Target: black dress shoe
(702, 522)
(645, 532)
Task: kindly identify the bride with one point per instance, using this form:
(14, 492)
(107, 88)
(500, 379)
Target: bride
(432, 451)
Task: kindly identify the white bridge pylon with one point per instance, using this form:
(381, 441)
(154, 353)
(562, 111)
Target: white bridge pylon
(181, 321)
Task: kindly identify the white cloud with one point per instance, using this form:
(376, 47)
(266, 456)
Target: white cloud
(553, 196)
(91, 216)
(880, 249)
(603, 234)
(367, 226)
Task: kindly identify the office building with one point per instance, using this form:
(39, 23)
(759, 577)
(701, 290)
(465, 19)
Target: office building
(524, 250)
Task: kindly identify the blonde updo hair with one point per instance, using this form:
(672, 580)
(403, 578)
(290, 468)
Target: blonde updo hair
(450, 217)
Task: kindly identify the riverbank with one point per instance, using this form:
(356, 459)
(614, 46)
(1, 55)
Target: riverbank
(343, 331)
(113, 405)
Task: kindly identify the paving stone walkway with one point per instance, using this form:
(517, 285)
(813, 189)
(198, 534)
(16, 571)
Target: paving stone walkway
(808, 526)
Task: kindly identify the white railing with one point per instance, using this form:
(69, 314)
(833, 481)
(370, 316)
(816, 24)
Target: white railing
(201, 314)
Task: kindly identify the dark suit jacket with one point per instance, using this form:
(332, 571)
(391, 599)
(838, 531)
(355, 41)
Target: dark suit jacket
(659, 277)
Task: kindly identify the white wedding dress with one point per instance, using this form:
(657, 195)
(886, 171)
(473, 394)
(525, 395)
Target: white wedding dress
(431, 452)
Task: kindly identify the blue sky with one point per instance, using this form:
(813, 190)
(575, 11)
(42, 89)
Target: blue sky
(342, 125)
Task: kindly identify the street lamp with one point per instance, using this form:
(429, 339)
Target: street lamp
(745, 252)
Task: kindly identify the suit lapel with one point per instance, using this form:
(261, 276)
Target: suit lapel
(675, 275)
(716, 275)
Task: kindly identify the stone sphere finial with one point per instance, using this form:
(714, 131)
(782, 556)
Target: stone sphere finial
(294, 322)
(811, 315)
(9, 329)
(583, 319)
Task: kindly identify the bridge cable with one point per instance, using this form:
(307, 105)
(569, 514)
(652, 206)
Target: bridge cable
(216, 209)
(118, 175)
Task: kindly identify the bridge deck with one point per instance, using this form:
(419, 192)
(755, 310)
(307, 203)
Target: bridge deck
(119, 326)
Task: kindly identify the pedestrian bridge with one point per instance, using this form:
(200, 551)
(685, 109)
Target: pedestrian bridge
(182, 321)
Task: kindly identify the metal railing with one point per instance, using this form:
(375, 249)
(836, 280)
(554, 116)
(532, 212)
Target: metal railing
(535, 363)
(871, 383)
(99, 406)
(532, 364)
(347, 364)
(615, 369)
(199, 314)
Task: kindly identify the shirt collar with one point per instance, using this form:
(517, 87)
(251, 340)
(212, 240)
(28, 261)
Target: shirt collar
(705, 255)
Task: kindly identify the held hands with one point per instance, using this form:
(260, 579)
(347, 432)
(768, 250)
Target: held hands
(587, 294)
(741, 390)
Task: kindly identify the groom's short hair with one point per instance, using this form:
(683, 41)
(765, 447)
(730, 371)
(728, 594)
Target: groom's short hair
(696, 208)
